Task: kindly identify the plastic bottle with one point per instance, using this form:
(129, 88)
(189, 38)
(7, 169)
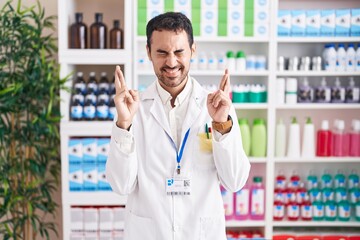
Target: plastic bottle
(308, 144)
(78, 33)
(328, 194)
(293, 209)
(203, 61)
(291, 91)
(323, 92)
(80, 84)
(258, 138)
(102, 110)
(330, 61)
(116, 36)
(260, 63)
(353, 179)
(354, 195)
(240, 61)
(339, 191)
(301, 192)
(337, 92)
(357, 209)
(293, 150)
(257, 199)
(78, 96)
(311, 180)
(350, 58)
(305, 93)
(89, 110)
(318, 210)
(242, 199)
(212, 61)
(352, 92)
(98, 32)
(231, 61)
(326, 179)
(112, 109)
(290, 192)
(104, 84)
(221, 61)
(339, 178)
(354, 139)
(76, 110)
(306, 210)
(279, 208)
(357, 58)
(330, 210)
(344, 209)
(280, 144)
(280, 184)
(245, 135)
(250, 62)
(92, 85)
(341, 58)
(315, 193)
(324, 140)
(228, 199)
(340, 140)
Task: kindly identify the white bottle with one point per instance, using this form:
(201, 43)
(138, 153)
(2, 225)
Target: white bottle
(331, 58)
(357, 58)
(308, 144)
(325, 56)
(230, 58)
(194, 62)
(260, 63)
(340, 58)
(250, 62)
(291, 91)
(350, 58)
(280, 90)
(221, 61)
(240, 61)
(202, 62)
(280, 144)
(212, 61)
(294, 140)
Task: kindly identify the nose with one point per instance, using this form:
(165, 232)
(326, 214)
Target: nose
(171, 60)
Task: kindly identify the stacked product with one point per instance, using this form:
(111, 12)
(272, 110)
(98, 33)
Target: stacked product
(249, 93)
(254, 140)
(335, 198)
(242, 235)
(87, 161)
(92, 100)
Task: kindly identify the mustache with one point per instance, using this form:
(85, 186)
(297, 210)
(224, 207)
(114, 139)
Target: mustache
(171, 68)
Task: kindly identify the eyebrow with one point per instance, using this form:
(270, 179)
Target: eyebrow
(176, 51)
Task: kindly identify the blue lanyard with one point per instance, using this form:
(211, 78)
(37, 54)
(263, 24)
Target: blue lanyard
(179, 156)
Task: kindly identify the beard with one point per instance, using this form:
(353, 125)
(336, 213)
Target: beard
(175, 81)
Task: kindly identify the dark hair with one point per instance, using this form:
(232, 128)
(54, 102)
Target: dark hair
(171, 21)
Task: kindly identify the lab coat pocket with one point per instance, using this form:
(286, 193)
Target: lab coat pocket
(205, 142)
(212, 228)
(140, 228)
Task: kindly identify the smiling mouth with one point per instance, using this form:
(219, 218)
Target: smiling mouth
(171, 71)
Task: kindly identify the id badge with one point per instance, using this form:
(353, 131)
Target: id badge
(178, 186)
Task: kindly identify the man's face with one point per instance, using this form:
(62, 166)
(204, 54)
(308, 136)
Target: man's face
(170, 55)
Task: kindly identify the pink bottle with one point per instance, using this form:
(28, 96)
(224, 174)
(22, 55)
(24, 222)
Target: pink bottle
(324, 140)
(280, 185)
(293, 209)
(228, 199)
(279, 209)
(257, 199)
(242, 199)
(340, 140)
(354, 139)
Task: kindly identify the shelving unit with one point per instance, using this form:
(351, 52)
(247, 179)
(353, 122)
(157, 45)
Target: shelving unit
(271, 46)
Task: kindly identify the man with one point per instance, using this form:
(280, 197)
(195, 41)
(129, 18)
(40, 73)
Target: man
(157, 156)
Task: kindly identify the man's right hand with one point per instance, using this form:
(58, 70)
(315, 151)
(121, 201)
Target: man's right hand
(126, 101)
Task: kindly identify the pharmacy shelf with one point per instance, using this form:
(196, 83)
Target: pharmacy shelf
(317, 39)
(258, 159)
(316, 74)
(212, 73)
(319, 106)
(318, 160)
(95, 56)
(240, 106)
(244, 223)
(95, 198)
(315, 224)
(86, 128)
(220, 39)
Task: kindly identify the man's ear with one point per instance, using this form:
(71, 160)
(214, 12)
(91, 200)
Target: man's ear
(193, 49)
(148, 52)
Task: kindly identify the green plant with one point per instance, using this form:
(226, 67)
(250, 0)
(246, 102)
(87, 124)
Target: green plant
(29, 122)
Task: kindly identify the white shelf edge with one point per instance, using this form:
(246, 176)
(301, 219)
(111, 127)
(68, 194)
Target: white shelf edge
(258, 159)
(244, 223)
(86, 128)
(212, 73)
(319, 106)
(318, 160)
(219, 39)
(95, 56)
(317, 39)
(95, 198)
(240, 106)
(315, 224)
(315, 73)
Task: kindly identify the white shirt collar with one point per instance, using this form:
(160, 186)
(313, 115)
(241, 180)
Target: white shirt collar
(166, 97)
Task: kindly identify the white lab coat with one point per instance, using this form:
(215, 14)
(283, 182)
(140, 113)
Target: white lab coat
(151, 214)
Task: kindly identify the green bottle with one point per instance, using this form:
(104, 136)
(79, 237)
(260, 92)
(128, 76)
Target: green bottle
(330, 209)
(354, 195)
(311, 180)
(258, 138)
(318, 210)
(326, 179)
(245, 135)
(339, 191)
(357, 207)
(344, 209)
(353, 179)
(327, 194)
(339, 178)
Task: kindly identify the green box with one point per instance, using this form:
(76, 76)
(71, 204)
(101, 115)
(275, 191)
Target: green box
(141, 29)
(222, 16)
(249, 15)
(196, 29)
(240, 97)
(195, 15)
(142, 4)
(142, 15)
(222, 29)
(196, 4)
(169, 5)
(222, 4)
(248, 30)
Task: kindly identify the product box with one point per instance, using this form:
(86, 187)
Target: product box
(119, 218)
(75, 177)
(208, 4)
(327, 21)
(261, 15)
(355, 22)
(89, 150)
(91, 221)
(313, 24)
(182, 5)
(208, 22)
(103, 148)
(155, 4)
(76, 220)
(235, 23)
(90, 178)
(102, 183)
(298, 23)
(342, 22)
(264, 4)
(106, 219)
(75, 151)
(284, 23)
(261, 29)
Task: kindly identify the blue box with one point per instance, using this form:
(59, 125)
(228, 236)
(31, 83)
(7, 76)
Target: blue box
(312, 23)
(355, 22)
(75, 151)
(284, 23)
(89, 150)
(90, 177)
(103, 147)
(103, 184)
(75, 177)
(342, 23)
(327, 27)
(298, 23)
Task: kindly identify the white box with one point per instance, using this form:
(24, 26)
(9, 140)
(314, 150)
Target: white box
(91, 220)
(153, 12)
(261, 29)
(313, 23)
(264, 4)
(208, 22)
(76, 220)
(206, 4)
(298, 23)
(235, 24)
(355, 22)
(261, 15)
(284, 23)
(327, 23)
(119, 218)
(342, 22)
(236, 4)
(106, 219)
(155, 4)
